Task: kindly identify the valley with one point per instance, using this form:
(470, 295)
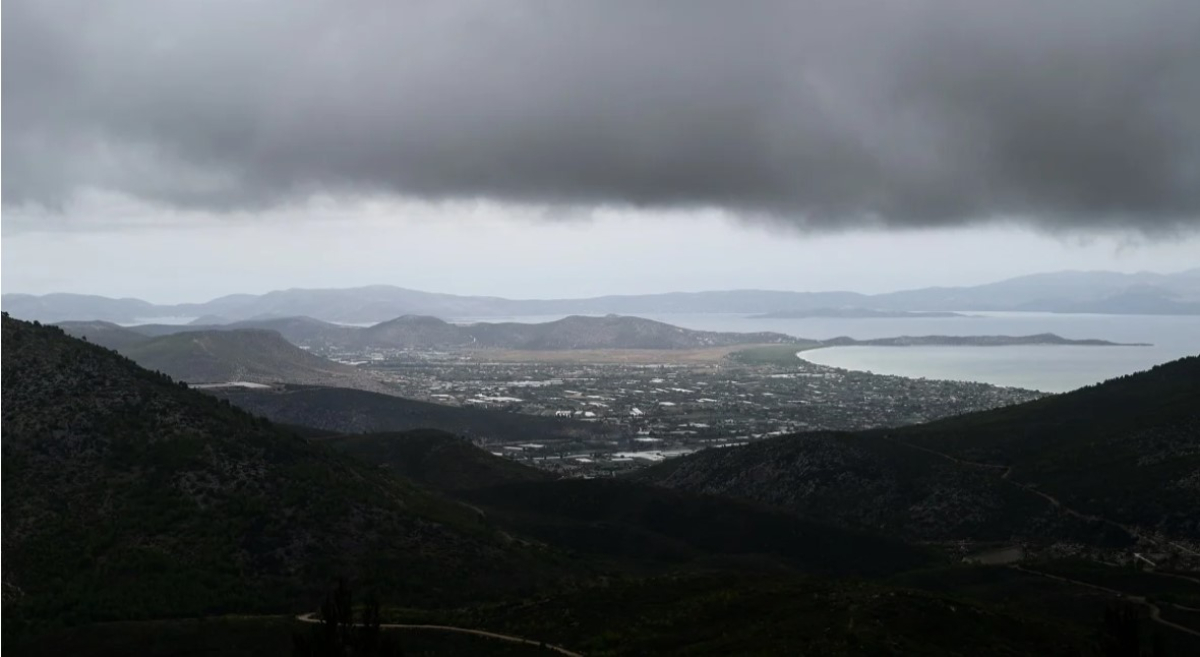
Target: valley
(580, 477)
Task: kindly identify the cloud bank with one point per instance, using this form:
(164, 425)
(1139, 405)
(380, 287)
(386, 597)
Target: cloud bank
(822, 114)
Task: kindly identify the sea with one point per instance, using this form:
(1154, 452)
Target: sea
(1049, 368)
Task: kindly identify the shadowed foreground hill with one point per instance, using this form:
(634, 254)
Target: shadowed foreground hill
(127, 495)
(341, 410)
(437, 459)
(1128, 450)
(643, 525)
(252, 355)
(632, 523)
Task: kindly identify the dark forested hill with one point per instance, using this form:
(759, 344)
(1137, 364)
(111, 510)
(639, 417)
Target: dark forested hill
(127, 495)
(626, 522)
(1127, 450)
(631, 522)
(437, 459)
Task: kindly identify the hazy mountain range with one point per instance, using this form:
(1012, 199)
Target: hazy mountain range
(1067, 292)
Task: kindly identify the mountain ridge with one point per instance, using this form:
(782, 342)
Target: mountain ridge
(1066, 291)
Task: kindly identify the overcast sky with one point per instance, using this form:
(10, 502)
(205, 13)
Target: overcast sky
(182, 150)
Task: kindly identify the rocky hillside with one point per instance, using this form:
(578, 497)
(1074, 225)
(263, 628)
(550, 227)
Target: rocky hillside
(251, 355)
(127, 495)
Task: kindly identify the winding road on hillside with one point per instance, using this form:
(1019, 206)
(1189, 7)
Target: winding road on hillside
(1155, 611)
(312, 618)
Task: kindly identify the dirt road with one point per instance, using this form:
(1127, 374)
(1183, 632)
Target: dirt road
(1155, 612)
(312, 618)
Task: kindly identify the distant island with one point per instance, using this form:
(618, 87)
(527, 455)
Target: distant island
(856, 313)
(974, 341)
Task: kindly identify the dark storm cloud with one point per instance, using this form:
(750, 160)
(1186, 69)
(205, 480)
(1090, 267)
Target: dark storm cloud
(1077, 113)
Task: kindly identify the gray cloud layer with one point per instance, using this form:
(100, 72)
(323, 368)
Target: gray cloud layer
(1078, 113)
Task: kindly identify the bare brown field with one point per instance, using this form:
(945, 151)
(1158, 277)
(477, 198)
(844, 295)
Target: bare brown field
(624, 356)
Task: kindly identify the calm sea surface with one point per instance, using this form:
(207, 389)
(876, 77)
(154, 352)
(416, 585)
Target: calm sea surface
(1049, 368)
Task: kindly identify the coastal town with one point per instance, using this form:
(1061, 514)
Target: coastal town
(654, 411)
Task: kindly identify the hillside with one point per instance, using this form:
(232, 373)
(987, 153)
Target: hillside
(251, 355)
(644, 525)
(126, 495)
(865, 483)
(436, 459)
(105, 334)
(1127, 450)
(575, 332)
(631, 524)
(297, 330)
(414, 332)
(611, 332)
(342, 410)
(304, 331)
